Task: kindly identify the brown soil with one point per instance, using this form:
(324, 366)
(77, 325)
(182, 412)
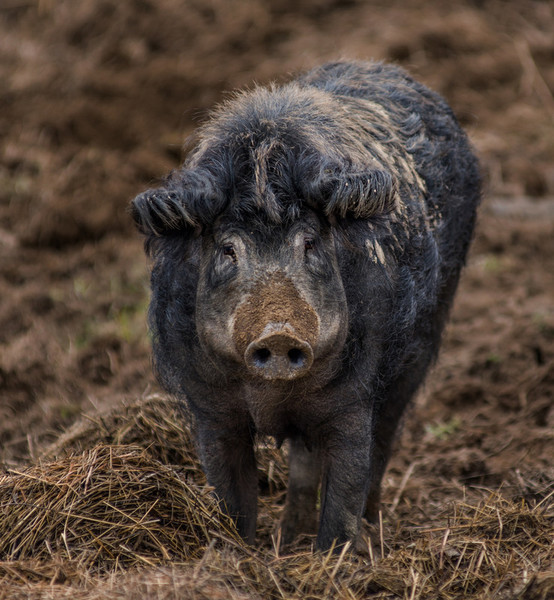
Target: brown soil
(96, 98)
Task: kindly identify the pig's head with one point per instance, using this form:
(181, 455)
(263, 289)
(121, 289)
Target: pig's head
(261, 202)
(271, 298)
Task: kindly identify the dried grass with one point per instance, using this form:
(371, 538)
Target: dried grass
(163, 427)
(103, 520)
(159, 424)
(109, 507)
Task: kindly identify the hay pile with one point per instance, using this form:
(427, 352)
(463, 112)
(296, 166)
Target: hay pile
(115, 511)
(158, 424)
(107, 508)
(162, 427)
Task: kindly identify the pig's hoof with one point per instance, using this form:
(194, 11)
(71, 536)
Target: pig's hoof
(291, 526)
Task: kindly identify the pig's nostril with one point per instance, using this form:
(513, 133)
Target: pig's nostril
(297, 357)
(279, 354)
(261, 356)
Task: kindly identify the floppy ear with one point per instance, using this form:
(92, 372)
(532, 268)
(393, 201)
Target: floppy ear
(156, 212)
(187, 201)
(355, 194)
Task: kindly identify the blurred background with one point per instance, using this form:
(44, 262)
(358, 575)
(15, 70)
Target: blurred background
(96, 99)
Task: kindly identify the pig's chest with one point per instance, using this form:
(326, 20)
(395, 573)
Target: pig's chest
(283, 413)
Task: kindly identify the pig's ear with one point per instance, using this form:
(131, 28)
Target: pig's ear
(360, 195)
(187, 202)
(160, 211)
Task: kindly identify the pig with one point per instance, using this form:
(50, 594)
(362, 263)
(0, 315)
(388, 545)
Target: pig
(304, 259)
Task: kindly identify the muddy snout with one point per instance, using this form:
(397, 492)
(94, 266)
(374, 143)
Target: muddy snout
(279, 353)
(276, 330)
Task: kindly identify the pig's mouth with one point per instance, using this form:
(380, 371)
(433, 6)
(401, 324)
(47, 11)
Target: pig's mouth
(279, 354)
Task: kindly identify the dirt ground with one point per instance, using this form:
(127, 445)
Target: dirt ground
(96, 98)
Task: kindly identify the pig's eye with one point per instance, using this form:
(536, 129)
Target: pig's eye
(309, 244)
(229, 250)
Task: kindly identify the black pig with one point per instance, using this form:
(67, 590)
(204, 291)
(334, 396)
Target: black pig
(304, 260)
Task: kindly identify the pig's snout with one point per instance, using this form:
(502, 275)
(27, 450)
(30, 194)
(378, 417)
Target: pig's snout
(275, 330)
(279, 354)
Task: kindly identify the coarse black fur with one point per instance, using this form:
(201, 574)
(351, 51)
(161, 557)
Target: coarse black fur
(377, 166)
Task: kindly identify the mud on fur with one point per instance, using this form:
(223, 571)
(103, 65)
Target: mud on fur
(305, 257)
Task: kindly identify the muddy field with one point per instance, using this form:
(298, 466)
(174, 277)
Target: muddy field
(96, 99)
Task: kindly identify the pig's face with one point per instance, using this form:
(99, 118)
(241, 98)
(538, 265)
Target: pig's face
(270, 298)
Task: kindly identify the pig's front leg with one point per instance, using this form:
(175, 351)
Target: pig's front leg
(230, 465)
(345, 483)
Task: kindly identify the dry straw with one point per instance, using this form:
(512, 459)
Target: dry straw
(158, 424)
(108, 507)
(115, 511)
(162, 426)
